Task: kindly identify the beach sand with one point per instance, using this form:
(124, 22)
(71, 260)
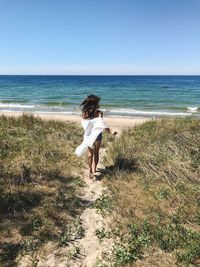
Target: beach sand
(115, 123)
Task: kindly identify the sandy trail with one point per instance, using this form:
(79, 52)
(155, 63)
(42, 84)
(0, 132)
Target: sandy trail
(90, 247)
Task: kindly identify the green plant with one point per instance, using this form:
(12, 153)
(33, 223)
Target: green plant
(104, 203)
(101, 233)
(65, 239)
(75, 252)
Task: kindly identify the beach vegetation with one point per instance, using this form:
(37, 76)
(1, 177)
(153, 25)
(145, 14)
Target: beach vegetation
(40, 180)
(153, 172)
(104, 203)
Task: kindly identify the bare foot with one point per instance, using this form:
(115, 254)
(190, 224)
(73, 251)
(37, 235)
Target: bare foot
(90, 175)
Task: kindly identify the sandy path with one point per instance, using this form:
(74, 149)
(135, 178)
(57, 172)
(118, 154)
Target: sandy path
(90, 247)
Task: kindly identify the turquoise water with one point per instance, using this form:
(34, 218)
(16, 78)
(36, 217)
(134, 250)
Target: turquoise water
(120, 95)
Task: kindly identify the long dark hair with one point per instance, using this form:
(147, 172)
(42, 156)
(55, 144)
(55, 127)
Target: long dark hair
(90, 106)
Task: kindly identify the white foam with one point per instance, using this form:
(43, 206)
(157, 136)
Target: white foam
(13, 105)
(143, 112)
(192, 109)
(10, 107)
(58, 112)
(46, 112)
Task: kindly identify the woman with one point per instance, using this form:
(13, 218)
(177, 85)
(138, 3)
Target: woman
(93, 124)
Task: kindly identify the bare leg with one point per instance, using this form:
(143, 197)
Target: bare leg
(97, 146)
(90, 160)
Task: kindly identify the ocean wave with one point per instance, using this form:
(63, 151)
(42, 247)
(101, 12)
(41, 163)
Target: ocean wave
(15, 105)
(7, 101)
(41, 108)
(58, 112)
(192, 109)
(46, 112)
(143, 112)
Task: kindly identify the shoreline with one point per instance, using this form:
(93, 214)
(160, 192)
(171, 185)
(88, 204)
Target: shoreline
(116, 123)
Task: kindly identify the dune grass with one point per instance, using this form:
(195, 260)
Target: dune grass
(39, 183)
(153, 181)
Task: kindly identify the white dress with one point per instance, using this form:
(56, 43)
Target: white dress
(92, 128)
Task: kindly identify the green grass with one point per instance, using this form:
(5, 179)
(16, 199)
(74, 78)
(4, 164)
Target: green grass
(153, 181)
(39, 182)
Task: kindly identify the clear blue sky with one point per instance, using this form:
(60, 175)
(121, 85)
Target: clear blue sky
(100, 36)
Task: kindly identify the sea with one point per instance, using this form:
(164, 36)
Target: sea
(145, 96)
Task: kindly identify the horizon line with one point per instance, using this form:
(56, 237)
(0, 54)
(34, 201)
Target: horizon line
(48, 74)
(96, 70)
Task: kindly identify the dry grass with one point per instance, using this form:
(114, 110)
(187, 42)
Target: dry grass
(153, 179)
(39, 182)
